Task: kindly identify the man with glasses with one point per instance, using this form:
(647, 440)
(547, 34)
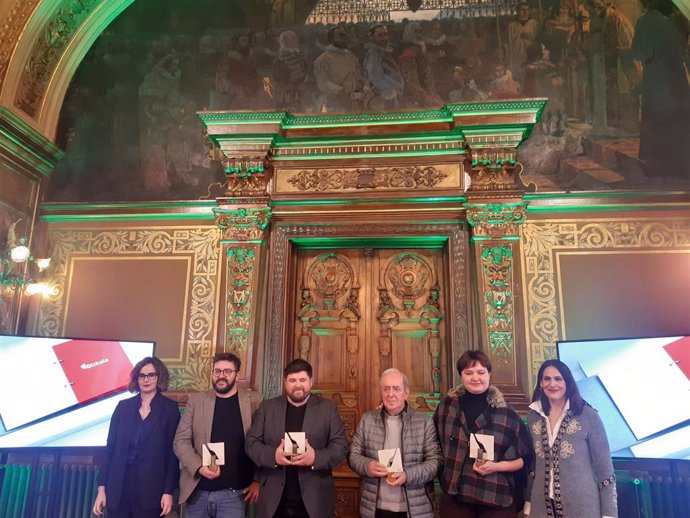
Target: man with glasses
(217, 420)
(297, 485)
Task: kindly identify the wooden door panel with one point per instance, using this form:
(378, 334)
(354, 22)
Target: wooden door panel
(363, 311)
(328, 356)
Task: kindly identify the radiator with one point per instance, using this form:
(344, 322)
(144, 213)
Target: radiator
(64, 492)
(77, 490)
(653, 495)
(14, 490)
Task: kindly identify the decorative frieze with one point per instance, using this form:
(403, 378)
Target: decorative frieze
(410, 177)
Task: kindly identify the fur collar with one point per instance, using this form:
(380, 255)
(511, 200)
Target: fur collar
(494, 397)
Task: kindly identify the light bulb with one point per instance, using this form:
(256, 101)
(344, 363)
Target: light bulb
(20, 254)
(34, 288)
(43, 263)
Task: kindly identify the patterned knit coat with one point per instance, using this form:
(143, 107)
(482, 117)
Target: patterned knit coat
(582, 466)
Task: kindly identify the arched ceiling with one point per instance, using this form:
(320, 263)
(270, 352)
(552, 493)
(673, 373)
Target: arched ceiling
(42, 43)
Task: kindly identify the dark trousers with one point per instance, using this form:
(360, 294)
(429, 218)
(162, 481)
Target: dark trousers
(382, 513)
(451, 508)
(129, 503)
(291, 510)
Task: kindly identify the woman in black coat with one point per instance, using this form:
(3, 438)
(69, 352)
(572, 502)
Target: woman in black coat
(138, 469)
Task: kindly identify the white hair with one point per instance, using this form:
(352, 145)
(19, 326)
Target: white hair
(406, 382)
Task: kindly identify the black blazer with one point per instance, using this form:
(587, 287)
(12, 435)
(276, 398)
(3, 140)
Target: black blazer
(158, 467)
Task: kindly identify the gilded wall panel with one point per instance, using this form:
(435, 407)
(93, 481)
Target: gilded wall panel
(543, 241)
(191, 370)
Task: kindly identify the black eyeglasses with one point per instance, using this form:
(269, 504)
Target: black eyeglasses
(150, 375)
(224, 372)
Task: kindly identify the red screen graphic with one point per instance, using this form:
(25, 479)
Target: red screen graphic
(93, 368)
(680, 352)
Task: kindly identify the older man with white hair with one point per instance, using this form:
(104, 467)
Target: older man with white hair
(387, 491)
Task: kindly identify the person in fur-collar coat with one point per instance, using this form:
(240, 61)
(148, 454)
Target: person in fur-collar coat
(485, 446)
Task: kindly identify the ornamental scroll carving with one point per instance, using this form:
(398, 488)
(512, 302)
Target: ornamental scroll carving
(240, 268)
(496, 220)
(411, 294)
(404, 177)
(242, 224)
(47, 51)
(330, 293)
(497, 274)
(14, 23)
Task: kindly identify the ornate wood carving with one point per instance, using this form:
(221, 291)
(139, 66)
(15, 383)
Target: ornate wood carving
(242, 224)
(47, 51)
(457, 327)
(494, 169)
(330, 300)
(457, 289)
(239, 302)
(497, 281)
(10, 31)
(495, 220)
(411, 291)
(404, 177)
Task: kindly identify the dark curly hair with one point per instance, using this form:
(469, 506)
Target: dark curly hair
(572, 393)
(163, 379)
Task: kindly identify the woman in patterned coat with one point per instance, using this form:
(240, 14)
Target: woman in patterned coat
(572, 473)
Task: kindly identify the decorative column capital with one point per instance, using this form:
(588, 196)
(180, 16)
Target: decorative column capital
(496, 220)
(243, 225)
(494, 169)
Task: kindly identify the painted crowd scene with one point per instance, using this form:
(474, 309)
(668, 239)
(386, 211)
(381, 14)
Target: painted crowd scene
(615, 74)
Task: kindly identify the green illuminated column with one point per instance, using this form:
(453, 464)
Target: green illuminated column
(244, 222)
(496, 247)
(495, 211)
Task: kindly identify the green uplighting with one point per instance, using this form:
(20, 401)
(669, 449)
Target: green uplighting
(313, 243)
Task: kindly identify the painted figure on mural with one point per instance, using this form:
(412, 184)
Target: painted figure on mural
(440, 52)
(160, 102)
(338, 74)
(289, 73)
(415, 68)
(381, 70)
(236, 81)
(521, 34)
(664, 130)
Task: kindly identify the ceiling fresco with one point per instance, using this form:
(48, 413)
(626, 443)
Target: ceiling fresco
(615, 74)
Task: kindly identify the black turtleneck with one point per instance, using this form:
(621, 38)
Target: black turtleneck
(472, 406)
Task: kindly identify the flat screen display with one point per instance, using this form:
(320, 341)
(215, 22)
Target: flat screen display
(62, 391)
(641, 388)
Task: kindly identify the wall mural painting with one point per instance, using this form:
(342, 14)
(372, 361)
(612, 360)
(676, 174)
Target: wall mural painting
(616, 75)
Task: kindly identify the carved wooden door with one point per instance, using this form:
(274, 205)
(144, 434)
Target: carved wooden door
(359, 312)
